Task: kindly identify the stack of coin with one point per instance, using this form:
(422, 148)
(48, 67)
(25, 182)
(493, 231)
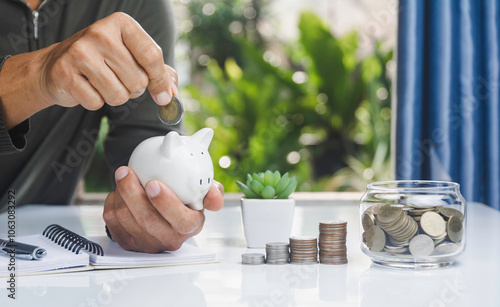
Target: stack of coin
(332, 242)
(303, 250)
(397, 224)
(277, 253)
(252, 258)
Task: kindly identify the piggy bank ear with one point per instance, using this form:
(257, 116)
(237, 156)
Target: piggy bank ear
(203, 137)
(170, 143)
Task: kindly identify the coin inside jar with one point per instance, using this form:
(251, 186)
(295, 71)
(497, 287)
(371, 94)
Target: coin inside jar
(421, 245)
(375, 238)
(172, 113)
(389, 213)
(454, 228)
(433, 224)
(449, 212)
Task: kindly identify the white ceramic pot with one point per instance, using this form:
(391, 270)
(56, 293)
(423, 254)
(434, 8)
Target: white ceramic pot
(267, 220)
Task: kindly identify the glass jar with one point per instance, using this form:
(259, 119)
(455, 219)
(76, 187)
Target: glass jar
(413, 223)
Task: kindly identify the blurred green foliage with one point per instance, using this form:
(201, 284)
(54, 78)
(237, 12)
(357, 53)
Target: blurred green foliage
(99, 178)
(321, 112)
(319, 116)
(213, 25)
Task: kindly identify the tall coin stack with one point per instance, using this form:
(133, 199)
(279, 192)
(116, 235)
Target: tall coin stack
(277, 253)
(332, 242)
(303, 250)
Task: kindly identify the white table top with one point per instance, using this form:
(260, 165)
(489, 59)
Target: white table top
(474, 279)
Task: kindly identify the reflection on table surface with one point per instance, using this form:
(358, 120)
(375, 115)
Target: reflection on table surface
(472, 281)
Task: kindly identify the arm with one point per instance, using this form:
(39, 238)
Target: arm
(110, 62)
(13, 140)
(150, 219)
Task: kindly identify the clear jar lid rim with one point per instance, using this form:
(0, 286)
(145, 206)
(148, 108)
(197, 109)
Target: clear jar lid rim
(420, 185)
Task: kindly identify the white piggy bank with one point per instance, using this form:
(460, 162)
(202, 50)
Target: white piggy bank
(181, 162)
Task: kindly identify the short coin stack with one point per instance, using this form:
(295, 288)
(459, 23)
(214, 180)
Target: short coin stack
(303, 250)
(252, 258)
(332, 242)
(277, 253)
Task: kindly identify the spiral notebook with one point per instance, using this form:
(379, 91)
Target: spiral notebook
(68, 251)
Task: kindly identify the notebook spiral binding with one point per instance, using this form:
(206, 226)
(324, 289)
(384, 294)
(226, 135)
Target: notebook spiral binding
(70, 240)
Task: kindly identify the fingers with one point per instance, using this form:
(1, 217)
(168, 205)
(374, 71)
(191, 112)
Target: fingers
(114, 59)
(182, 219)
(118, 232)
(152, 219)
(130, 74)
(173, 76)
(105, 82)
(214, 200)
(85, 94)
(144, 221)
(150, 57)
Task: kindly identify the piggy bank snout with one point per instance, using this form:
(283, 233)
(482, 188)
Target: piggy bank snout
(203, 179)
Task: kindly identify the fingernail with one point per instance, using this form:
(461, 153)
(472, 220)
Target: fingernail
(153, 189)
(220, 187)
(175, 91)
(163, 98)
(121, 173)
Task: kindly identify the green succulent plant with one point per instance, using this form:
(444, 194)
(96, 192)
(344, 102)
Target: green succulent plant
(268, 185)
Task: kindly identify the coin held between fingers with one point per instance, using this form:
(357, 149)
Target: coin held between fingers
(172, 113)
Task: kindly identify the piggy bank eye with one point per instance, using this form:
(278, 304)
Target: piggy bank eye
(192, 154)
(208, 180)
(202, 152)
(201, 181)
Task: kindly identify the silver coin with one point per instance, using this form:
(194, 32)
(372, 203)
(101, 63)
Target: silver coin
(449, 212)
(433, 224)
(375, 238)
(421, 245)
(303, 238)
(395, 249)
(389, 213)
(446, 248)
(455, 228)
(367, 220)
(172, 113)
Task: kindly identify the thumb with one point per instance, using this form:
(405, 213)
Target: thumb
(164, 86)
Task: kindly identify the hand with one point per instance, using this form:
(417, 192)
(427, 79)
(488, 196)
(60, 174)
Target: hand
(153, 219)
(111, 61)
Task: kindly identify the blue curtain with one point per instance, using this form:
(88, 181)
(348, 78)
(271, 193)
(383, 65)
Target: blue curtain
(447, 88)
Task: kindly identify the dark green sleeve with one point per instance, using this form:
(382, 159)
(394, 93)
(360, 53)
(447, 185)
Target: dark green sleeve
(137, 120)
(13, 140)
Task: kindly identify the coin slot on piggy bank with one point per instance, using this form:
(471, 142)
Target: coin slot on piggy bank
(183, 163)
